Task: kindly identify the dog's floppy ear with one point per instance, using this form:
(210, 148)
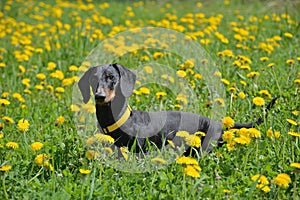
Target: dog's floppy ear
(84, 85)
(127, 79)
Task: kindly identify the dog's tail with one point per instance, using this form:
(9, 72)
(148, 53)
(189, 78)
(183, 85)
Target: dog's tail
(259, 120)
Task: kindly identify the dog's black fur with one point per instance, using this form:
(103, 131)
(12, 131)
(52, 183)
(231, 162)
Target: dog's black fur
(112, 84)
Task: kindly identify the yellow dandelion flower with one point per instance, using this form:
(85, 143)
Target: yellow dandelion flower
(297, 81)
(51, 66)
(193, 141)
(57, 74)
(182, 134)
(148, 69)
(227, 122)
(104, 138)
(292, 122)
(1, 134)
(263, 59)
(22, 68)
(4, 102)
(5, 94)
(243, 140)
(296, 165)
(225, 81)
(89, 108)
(26, 82)
(265, 188)
(243, 132)
(19, 97)
(242, 95)
(258, 101)
(90, 141)
(191, 171)
(73, 68)
(178, 106)
(261, 179)
(197, 76)
(36, 146)
(245, 66)
(270, 64)
(189, 64)
(68, 81)
(288, 35)
(270, 133)
(254, 132)
(182, 98)
(232, 89)
(277, 134)
(228, 136)
(12, 145)
(218, 154)
(41, 76)
(231, 146)
(108, 151)
(220, 102)
(158, 160)
(157, 55)
(74, 108)
(199, 4)
(39, 87)
(226, 191)
(292, 133)
(181, 73)
(160, 94)
(144, 90)
(42, 159)
(5, 168)
(266, 93)
(60, 120)
(145, 58)
(26, 91)
(2, 65)
(91, 154)
(8, 119)
(243, 83)
(84, 171)
(186, 160)
(218, 74)
(23, 125)
(252, 74)
(283, 180)
(290, 62)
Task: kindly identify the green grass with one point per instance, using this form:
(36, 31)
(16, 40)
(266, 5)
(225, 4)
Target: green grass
(28, 27)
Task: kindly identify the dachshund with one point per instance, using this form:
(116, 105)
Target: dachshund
(112, 84)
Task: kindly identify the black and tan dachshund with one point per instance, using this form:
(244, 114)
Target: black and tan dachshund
(112, 84)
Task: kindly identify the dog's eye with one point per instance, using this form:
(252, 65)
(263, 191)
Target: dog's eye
(110, 77)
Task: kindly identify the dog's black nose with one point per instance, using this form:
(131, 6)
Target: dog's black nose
(99, 97)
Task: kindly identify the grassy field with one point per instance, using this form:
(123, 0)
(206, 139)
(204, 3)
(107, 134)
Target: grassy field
(255, 47)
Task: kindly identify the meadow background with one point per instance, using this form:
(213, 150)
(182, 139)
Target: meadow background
(42, 48)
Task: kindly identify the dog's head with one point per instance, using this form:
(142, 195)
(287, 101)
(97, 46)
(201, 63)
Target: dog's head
(104, 81)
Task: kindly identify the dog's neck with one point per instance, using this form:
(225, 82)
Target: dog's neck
(109, 113)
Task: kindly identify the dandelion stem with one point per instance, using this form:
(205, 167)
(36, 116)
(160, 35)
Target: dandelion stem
(92, 185)
(276, 81)
(39, 173)
(4, 188)
(295, 187)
